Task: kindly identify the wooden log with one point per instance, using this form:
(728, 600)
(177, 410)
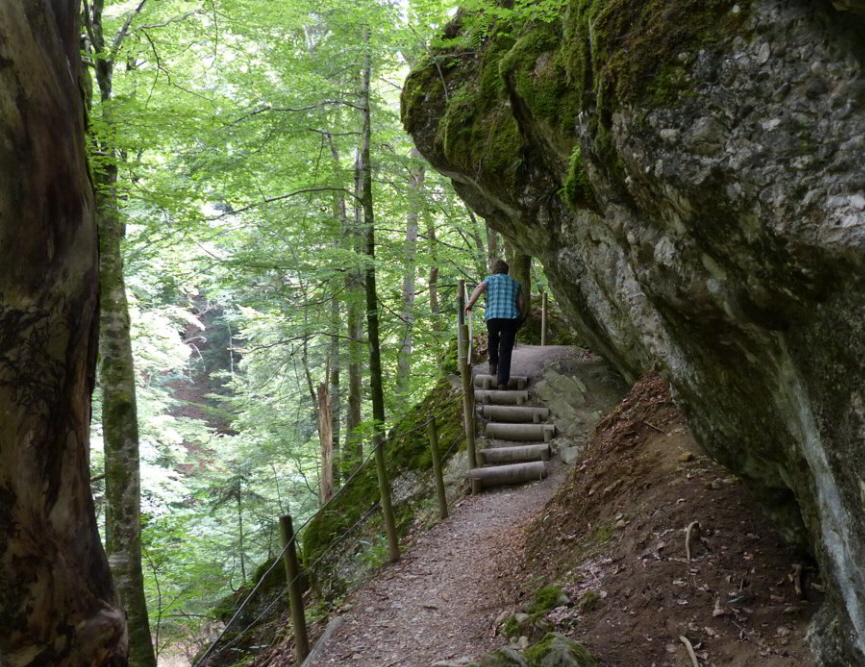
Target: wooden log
(519, 453)
(544, 319)
(437, 469)
(522, 432)
(484, 381)
(295, 595)
(466, 376)
(514, 473)
(496, 397)
(514, 414)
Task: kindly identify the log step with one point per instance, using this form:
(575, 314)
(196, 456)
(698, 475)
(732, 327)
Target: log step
(514, 414)
(497, 455)
(496, 397)
(513, 473)
(522, 432)
(489, 381)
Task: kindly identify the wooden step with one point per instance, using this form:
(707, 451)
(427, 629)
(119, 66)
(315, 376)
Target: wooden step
(496, 397)
(496, 455)
(522, 432)
(513, 473)
(489, 381)
(514, 414)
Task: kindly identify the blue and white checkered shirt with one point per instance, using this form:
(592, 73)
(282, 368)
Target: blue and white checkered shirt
(502, 293)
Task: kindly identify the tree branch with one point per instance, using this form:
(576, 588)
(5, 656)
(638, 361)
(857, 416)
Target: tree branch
(115, 47)
(270, 200)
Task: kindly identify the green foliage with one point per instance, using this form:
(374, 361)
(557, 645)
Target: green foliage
(554, 644)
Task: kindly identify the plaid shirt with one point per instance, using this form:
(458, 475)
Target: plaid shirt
(502, 293)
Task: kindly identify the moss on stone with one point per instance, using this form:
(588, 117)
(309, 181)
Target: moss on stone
(407, 450)
(556, 643)
(577, 189)
(546, 598)
(634, 51)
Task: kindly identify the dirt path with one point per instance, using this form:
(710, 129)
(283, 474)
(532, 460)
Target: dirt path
(441, 600)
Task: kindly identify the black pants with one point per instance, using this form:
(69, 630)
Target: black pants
(502, 332)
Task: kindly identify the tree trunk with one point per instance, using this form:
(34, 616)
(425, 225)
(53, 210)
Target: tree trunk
(325, 438)
(375, 375)
(335, 325)
(438, 325)
(416, 180)
(492, 247)
(117, 378)
(354, 287)
(58, 604)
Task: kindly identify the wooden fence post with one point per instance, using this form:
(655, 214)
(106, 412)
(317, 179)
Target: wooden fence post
(544, 319)
(466, 374)
(295, 593)
(437, 469)
(384, 490)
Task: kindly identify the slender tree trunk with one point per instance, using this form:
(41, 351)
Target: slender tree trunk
(325, 438)
(478, 234)
(416, 180)
(334, 363)
(354, 288)
(117, 378)
(438, 325)
(492, 247)
(239, 499)
(58, 603)
(375, 374)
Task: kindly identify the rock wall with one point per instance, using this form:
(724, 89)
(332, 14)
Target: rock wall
(692, 176)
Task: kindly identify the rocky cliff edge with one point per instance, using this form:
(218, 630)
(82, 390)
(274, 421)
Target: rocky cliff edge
(691, 176)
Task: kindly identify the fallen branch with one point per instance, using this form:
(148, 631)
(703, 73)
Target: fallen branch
(651, 425)
(694, 525)
(690, 649)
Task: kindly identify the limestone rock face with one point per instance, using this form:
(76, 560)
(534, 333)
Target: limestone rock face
(692, 177)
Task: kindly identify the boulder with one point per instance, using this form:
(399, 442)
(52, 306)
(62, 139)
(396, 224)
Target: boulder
(503, 657)
(690, 176)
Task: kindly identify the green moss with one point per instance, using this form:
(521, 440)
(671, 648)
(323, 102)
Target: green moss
(546, 598)
(634, 51)
(407, 450)
(553, 642)
(577, 188)
(511, 627)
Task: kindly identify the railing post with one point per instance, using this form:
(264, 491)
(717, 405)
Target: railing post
(466, 374)
(295, 593)
(544, 319)
(437, 469)
(384, 491)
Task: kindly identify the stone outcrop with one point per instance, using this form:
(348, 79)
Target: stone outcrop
(692, 177)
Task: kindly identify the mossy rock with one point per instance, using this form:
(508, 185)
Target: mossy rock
(546, 599)
(503, 657)
(556, 650)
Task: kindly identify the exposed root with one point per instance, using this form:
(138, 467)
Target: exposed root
(693, 527)
(690, 649)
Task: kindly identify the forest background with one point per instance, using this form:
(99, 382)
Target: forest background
(227, 152)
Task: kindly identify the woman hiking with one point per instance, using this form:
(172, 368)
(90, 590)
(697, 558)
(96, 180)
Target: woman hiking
(505, 304)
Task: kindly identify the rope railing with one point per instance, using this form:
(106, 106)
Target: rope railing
(394, 435)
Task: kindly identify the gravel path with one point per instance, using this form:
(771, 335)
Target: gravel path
(441, 600)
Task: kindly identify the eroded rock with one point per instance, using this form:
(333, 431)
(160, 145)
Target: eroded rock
(691, 178)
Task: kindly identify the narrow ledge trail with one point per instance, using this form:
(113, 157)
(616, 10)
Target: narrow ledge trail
(442, 599)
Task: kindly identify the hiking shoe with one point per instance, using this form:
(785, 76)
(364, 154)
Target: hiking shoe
(494, 369)
(502, 387)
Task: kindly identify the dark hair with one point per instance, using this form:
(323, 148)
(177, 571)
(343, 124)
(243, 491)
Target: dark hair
(501, 266)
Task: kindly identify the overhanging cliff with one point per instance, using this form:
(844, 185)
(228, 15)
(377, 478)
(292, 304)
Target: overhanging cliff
(692, 177)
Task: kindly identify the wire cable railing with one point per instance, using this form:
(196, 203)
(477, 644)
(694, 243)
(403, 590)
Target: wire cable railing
(394, 435)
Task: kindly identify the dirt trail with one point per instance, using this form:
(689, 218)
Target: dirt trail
(441, 600)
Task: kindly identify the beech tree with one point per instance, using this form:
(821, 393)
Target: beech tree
(57, 600)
